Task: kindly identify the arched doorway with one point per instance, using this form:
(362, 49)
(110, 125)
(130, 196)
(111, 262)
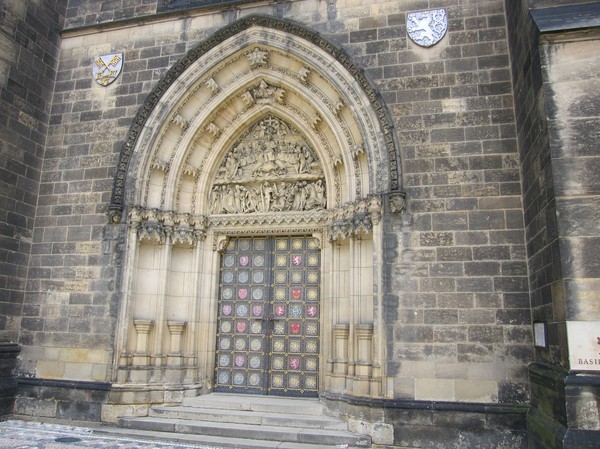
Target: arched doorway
(265, 135)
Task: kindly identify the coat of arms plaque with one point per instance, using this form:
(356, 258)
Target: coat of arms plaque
(106, 68)
(427, 28)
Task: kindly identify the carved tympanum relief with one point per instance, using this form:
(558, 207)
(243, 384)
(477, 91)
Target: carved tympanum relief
(271, 168)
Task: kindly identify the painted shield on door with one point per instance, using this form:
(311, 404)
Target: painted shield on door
(296, 293)
(244, 260)
(243, 293)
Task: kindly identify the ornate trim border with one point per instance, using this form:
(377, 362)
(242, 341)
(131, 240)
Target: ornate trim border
(116, 205)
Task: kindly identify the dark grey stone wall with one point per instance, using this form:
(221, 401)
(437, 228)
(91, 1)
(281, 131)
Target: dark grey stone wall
(556, 93)
(29, 48)
(73, 401)
(539, 204)
(91, 12)
(8, 381)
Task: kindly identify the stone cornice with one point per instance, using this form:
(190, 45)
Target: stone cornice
(167, 16)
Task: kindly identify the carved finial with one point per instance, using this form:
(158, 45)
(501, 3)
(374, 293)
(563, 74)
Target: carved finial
(191, 171)
(337, 107)
(213, 129)
(257, 56)
(279, 93)
(160, 165)
(168, 218)
(266, 93)
(180, 121)
(247, 98)
(357, 150)
(316, 119)
(212, 85)
(303, 73)
(135, 215)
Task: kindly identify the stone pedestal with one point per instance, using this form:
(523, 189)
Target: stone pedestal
(141, 355)
(176, 328)
(340, 359)
(8, 383)
(564, 410)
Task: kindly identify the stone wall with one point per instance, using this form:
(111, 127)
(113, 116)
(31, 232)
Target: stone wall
(91, 12)
(8, 382)
(459, 311)
(29, 48)
(556, 90)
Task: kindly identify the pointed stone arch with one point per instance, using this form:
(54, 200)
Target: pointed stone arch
(256, 70)
(311, 58)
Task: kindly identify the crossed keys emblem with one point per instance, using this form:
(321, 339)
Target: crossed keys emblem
(106, 68)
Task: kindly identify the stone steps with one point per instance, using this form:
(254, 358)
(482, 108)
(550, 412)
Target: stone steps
(246, 422)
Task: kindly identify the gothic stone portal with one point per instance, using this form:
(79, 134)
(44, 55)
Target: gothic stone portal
(268, 321)
(269, 146)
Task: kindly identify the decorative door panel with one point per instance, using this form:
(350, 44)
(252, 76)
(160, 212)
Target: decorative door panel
(268, 329)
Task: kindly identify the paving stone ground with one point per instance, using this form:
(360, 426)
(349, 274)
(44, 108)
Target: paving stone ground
(33, 435)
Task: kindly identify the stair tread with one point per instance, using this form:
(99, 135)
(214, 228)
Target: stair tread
(215, 441)
(243, 413)
(238, 426)
(246, 422)
(249, 402)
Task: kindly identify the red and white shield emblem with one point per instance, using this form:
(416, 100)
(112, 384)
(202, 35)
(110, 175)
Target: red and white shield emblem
(243, 293)
(294, 363)
(296, 293)
(227, 309)
(240, 360)
(295, 328)
(240, 326)
(311, 311)
(296, 260)
(244, 260)
(257, 310)
(279, 310)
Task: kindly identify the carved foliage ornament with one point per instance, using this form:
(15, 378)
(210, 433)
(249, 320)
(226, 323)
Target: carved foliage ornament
(269, 169)
(427, 28)
(161, 227)
(354, 219)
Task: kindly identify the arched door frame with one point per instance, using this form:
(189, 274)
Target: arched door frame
(174, 148)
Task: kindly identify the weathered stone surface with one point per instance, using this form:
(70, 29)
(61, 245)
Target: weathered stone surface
(495, 138)
(8, 381)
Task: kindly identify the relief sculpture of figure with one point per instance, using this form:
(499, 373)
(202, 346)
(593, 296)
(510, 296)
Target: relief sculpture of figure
(271, 168)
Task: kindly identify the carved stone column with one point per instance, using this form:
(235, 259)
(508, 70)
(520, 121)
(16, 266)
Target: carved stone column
(340, 359)
(364, 358)
(141, 357)
(176, 329)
